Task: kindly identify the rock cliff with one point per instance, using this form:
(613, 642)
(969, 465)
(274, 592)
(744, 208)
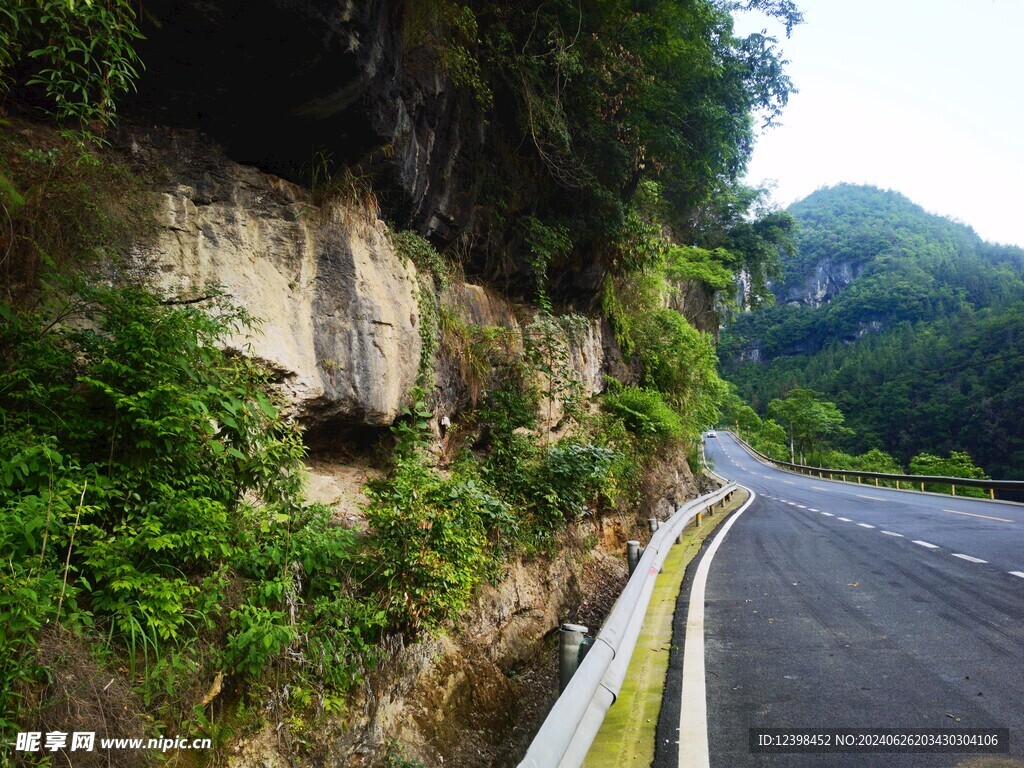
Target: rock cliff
(340, 329)
(825, 280)
(339, 320)
(338, 307)
(291, 85)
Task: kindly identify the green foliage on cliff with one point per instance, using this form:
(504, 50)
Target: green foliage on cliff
(921, 349)
(63, 207)
(644, 412)
(143, 470)
(671, 356)
(74, 58)
(595, 104)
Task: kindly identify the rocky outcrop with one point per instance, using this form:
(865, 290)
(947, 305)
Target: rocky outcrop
(304, 87)
(827, 280)
(338, 310)
(696, 302)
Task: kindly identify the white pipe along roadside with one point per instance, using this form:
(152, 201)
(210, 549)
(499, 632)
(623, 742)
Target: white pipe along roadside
(573, 722)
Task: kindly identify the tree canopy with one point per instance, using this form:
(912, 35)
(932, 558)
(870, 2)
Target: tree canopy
(808, 418)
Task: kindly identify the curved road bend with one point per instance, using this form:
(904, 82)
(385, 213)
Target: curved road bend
(840, 605)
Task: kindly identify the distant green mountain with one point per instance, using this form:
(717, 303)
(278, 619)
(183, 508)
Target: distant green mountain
(910, 322)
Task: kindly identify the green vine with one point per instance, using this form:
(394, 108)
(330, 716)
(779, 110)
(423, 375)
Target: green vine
(433, 275)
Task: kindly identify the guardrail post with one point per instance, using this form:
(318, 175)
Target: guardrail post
(652, 524)
(633, 553)
(571, 650)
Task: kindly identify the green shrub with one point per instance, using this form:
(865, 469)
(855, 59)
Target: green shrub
(426, 550)
(258, 636)
(644, 412)
(570, 474)
(148, 459)
(68, 206)
(957, 464)
(877, 460)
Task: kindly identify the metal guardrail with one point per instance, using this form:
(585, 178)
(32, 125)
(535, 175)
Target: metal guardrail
(573, 722)
(919, 480)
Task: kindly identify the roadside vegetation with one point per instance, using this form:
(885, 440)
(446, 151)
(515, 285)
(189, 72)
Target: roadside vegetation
(805, 428)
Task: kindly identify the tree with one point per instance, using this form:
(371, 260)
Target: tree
(808, 418)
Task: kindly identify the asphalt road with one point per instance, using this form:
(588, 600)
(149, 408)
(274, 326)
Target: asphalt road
(832, 605)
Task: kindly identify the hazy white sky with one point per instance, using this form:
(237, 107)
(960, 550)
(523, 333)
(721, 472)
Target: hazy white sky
(921, 96)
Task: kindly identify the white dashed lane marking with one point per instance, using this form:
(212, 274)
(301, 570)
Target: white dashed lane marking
(926, 544)
(970, 559)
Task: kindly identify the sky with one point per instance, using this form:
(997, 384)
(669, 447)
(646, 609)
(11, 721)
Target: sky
(925, 97)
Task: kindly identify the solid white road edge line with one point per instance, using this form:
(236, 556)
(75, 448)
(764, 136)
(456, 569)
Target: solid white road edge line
(983, 517)
(693, 709)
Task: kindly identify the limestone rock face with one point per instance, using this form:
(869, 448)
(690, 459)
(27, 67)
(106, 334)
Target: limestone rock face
(829, 279)
(340, 320)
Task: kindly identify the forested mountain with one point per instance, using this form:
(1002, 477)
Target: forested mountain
(908, 321)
